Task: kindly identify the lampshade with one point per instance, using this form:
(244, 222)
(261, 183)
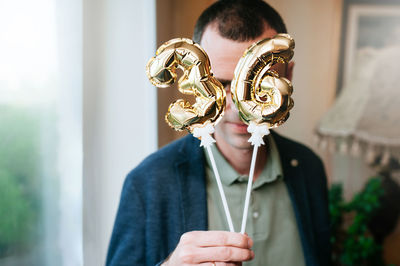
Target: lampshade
(365, 119)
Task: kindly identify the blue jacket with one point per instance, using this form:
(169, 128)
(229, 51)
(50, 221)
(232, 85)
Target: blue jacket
(165, 196)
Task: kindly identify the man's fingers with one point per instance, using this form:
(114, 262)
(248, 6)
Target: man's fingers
(220, 264)
(219, 247)
(222, 254)
(216, 238)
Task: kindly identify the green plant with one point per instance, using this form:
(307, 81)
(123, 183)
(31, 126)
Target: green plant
(16, 212)
(19, 178)
(352, 242)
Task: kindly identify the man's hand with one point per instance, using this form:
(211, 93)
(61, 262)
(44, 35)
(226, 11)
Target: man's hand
(208, 247)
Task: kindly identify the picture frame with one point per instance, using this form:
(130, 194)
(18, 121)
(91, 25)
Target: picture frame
(366, 24)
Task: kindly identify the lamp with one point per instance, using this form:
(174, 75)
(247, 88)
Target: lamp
(365, 119)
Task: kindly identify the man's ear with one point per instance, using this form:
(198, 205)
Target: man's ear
(289, 71)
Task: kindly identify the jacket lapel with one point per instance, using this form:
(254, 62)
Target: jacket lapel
(295, 179)
(191, 185)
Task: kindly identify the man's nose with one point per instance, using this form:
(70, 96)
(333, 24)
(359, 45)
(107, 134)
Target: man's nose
(230, 105)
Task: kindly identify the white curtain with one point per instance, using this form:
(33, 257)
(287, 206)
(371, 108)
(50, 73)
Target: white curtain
(119, 109)
(76, 114)
(41, 125)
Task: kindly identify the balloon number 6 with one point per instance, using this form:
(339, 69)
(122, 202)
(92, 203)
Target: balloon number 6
(259, 93)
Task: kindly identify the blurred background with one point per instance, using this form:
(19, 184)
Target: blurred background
(77, 111)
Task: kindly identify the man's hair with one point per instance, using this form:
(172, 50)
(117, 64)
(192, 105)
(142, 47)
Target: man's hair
(239, 20)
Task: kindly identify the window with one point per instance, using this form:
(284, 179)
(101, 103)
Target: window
(40, 132)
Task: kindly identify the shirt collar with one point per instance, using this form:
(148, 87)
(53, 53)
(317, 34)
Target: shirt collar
(271, 172)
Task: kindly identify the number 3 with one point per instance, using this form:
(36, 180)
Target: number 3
(197, 80)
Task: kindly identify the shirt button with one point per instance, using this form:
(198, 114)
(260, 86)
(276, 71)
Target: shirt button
(255, 215)
(294, 162)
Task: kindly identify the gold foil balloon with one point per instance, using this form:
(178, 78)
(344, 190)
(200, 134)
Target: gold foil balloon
(259, 93)
(197, 80)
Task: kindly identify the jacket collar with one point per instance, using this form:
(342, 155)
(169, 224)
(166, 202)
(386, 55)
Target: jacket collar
(294, 174)
(190, 172)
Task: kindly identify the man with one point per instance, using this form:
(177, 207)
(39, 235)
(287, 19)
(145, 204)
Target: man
(170, 211)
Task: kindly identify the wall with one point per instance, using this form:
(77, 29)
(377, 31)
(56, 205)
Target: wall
(315, 26)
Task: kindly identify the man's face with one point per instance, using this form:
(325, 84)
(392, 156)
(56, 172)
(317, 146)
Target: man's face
(224, 55)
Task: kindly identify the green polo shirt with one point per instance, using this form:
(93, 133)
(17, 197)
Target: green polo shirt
(270, 223)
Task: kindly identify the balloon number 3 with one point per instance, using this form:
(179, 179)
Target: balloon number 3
(259, 93)
(197, 80)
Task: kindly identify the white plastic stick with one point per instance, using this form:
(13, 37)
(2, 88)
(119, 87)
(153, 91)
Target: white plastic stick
(249, 186)
(204, 133)
(221, 190)
(256, 139)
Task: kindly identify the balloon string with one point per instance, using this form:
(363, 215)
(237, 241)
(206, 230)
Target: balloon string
(221, 190)
(249, 186)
